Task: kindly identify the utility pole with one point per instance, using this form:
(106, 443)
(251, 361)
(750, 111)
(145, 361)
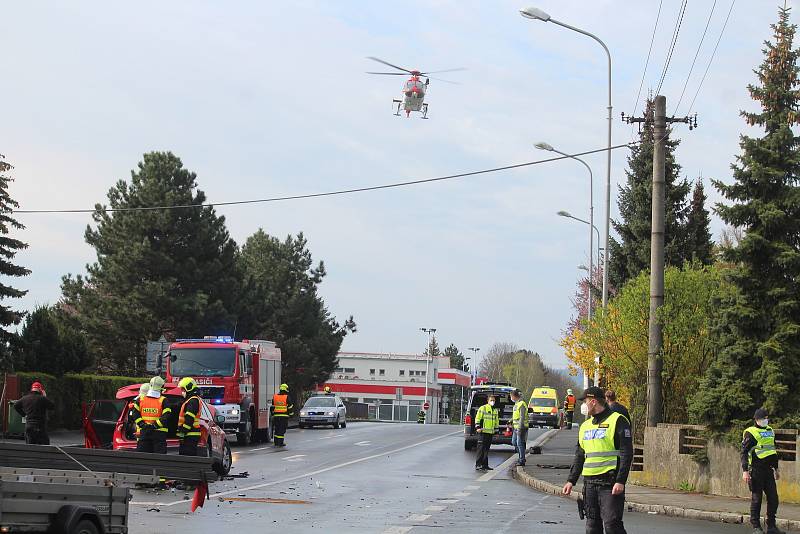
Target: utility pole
(657, 117)
(431, 334)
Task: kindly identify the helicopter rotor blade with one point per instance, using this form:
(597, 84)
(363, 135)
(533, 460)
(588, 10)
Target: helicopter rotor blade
(440, 71)
(390, 73)
(388, 64)
(441, 80)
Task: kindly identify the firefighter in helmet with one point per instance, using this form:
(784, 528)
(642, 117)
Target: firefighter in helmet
(153, 420)
(189, 418)
(281, 414)
(328, 390)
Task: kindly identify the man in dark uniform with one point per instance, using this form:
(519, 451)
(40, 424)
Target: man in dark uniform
(603, 456)
(611, 399)
(33, 407)
(760, 471)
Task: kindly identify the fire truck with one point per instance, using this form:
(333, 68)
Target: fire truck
(238, 378)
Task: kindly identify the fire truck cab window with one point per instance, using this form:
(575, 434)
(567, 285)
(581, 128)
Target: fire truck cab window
(245, 363)
(203, 362)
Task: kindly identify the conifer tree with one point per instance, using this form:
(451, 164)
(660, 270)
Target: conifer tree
(698, 236)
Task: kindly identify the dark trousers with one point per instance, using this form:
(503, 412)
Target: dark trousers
(188, 446)
(603, 510)
(484, 444)
(570, 413)
(152, 441)
(36, 435)
(280, 423)
(762, 481)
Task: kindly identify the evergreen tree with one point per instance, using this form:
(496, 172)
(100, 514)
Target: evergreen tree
(457, 360)
(433, 348)
(758, 328)
(9, 247)
(46, 343)
(168, 272)
(698, 236)
(281, 303)
(632, 255)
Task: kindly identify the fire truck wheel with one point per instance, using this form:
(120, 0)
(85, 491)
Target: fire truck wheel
(243, 438)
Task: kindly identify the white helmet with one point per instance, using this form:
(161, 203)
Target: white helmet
(569, 392)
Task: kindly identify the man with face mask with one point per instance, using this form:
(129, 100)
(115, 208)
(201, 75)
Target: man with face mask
(487, 420)
(603, 456)
(760, 471)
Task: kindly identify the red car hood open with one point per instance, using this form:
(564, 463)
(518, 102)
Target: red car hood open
(129, 392)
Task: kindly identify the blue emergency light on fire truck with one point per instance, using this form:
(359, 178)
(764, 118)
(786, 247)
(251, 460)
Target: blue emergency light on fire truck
(238, 378)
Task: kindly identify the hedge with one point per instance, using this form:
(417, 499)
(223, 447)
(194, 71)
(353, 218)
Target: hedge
(71, 391)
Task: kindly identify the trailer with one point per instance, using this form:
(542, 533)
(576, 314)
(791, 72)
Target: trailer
(65, 501)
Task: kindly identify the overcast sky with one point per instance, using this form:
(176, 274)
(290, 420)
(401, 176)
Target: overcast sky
(270, 98)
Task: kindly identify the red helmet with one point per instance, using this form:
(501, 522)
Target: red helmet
(37, 386)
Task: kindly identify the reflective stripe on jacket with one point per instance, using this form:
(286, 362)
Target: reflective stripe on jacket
(152, 412)
(597, 442)
(282, 406)
(487, 418)
(188, 420)
(520, 418)
(569, 403)
(765, 442)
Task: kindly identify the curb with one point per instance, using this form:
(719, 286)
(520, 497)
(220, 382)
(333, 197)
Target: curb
(672, 511)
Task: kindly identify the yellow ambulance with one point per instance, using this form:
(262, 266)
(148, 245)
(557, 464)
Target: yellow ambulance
(543, 407)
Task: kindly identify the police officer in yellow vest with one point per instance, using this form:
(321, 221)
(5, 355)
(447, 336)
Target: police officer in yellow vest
(760, 471)
(519, 423)
(280, 416)
(603, 456)
(487, 421)
(189, 418)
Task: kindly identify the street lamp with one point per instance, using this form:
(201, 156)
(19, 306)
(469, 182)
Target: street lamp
(538, 14)
(474, 353)
(466, 359)
(430, 332)
(568, 215)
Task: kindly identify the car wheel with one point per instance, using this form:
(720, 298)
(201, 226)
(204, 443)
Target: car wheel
(336, 424)
(469, 445)
(300, 425)
(244, 438)
(85, 526)
(223, 466)
(344, 423)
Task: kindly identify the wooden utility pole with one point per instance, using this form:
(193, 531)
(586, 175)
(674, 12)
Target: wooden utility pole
(655, 361)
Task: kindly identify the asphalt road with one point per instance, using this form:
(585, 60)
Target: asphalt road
(376, 478)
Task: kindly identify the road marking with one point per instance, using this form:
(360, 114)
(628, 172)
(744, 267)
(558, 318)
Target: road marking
(497, 470)
(447, 501)
(461, 494)
(472, 488)
(418, 518)
(434, 508)
(258, 449)
(397, 530)
(312, 473)
(362, 443)
(294, 458)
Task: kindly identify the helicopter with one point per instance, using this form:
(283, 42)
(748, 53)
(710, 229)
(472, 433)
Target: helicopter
(414, 90)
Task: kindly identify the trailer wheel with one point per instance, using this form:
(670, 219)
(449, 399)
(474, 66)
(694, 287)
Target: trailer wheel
(85, 526)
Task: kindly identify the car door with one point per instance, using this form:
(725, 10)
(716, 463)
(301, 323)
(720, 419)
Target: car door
(100, 420)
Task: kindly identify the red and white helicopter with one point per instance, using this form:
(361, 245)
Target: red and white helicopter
(414, 89)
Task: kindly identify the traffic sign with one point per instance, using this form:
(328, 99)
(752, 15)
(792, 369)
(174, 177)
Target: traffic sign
(426, 406)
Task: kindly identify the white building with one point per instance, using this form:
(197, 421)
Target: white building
(392, 384)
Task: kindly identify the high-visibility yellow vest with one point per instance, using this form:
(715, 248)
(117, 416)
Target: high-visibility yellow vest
(152, 409)
(765, 442)
(597, 442)
(520, 417)
(192, 430)
(487, 418)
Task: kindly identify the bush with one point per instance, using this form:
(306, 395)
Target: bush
(72, 391)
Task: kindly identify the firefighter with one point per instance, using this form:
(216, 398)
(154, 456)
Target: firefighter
(135, 412)
(282, 412)
(569, 407)
(487, 420)
(328, 390)
(33, 407)
(760, 470)
(603, 456)
(421, 417)
(188, 419)
(153, 420)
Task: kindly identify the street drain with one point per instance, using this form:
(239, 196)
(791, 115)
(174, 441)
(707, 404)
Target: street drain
(266, 500)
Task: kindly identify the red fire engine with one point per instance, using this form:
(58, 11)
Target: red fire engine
(237, 377)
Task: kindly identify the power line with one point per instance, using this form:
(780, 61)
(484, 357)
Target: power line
(713, 53)
(675, 34)
(332, 193)
(699, 46)
(647, 61)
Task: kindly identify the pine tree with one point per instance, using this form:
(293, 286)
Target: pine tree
(758, 328)
(632, 255)
(9, 247)
(433, 348)
(698, 236)
(457, 360)
(159, 272)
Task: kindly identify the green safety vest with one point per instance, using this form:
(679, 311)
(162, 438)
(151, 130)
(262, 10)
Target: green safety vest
(520, 417)
(597, 442)
(765, 442)
(488, 419)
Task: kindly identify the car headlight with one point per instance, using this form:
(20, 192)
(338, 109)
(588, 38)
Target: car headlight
(330, 413)
(234, 411)
(302, 414)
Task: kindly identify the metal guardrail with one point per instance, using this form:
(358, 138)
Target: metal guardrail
(188, 468)
(83, 478)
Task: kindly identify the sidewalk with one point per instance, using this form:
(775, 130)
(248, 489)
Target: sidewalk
(62, 438)
(547, 472)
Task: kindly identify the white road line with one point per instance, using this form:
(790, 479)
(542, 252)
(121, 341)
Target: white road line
(294, 458)
(312, 473)
(472, 488)
(447, 501)
(418, 518)
(461, 494)
(397, 530)
(434, 508)
(258, 449)
(497, 470)
(362, 443)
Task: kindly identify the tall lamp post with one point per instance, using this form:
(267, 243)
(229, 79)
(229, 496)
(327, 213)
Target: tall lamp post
(568, 215)
(538, 14)
(466, 359)
(430, 332)
(475, 354)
